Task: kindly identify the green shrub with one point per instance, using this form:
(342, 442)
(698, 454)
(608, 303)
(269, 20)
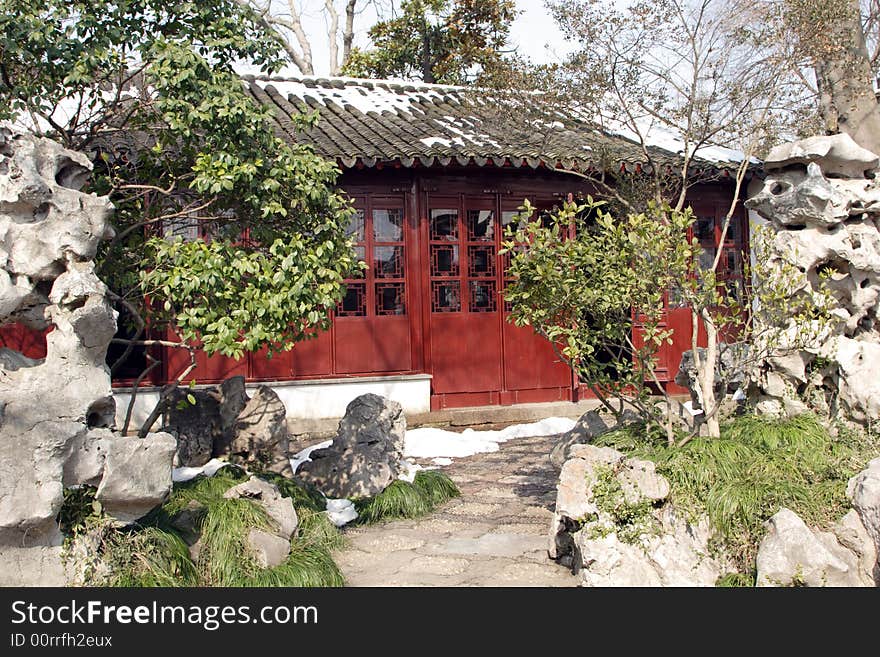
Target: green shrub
(630, 520)
(736, 580)
(78, 508)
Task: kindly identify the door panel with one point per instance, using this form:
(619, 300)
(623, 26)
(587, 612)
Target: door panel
(466, 352)
(307, 358)
(530, 362)
(372, 330)
(372, 345)
(463, 298)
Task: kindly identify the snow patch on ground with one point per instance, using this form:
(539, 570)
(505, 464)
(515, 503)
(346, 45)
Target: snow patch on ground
(306, 455)
(341, 512)
(408, 471)
(429, 443)
(179, 475)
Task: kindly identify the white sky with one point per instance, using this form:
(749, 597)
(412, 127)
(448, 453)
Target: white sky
(534, 33)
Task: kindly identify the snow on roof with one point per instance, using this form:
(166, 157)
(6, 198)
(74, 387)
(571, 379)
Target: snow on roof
(365, 122)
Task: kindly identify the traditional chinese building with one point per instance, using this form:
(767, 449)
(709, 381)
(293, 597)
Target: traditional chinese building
(436, 173)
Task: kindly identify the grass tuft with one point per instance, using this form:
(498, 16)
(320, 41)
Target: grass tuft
(402, 499)
(315, 527)
(155, 554)
(758, 465)
(734, 580)
(224, 558)
(149, 557)
(309, 565)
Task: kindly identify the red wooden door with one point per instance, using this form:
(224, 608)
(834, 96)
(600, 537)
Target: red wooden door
(371, 331)
(463, 298)
(532, 369)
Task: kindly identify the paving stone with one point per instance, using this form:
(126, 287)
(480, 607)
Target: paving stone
(494, 535)
(435, 565)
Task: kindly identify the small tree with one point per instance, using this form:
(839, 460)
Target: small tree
(594, 285)
(147, 89)
(692, 74)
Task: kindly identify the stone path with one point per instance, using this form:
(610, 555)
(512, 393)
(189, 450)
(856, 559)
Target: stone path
(495, 534)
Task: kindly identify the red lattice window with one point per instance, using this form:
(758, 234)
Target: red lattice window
(507, 218)
(444, 260)
(463, 257)
(444, 224)
(388, 261)
(354, 304)
(707, 229)
(482, 297)
(388, 225)
(380, 290)
(356, 227)
(481, 261)
(481, 225)
(445, 296)
(390, 299)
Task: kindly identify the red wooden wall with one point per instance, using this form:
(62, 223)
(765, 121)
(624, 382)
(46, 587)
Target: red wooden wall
(431, 299)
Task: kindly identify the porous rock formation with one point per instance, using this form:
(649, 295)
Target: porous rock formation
(614, 527)
(56, 414)
(366, 454)
(821, 197)
(225, 422)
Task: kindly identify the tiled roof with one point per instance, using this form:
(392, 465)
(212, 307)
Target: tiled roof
(371, 122)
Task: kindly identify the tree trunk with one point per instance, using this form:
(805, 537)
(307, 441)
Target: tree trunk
(348, 32)
(706, 378)
(427, 67)
(843, 72)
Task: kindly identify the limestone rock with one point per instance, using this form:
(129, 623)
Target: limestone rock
(863, 490)
(85, 461)
(608, 562)
(225, 422)
(640, 481)
(678, 556)
(137, 475)
(839, 155)
(196, 426)
(852, 535)
(590, 426)
(279, 509)
(11, 360)
(232, 398)
(46, 222)
(726, 368)
(791, 554)
(260, 433)
(365, 457)
(56, 413)
(859, 385)
(574, 490)
(822, 199)
(188, 521)
(372, 420)
(268, 549)
(659, 549)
